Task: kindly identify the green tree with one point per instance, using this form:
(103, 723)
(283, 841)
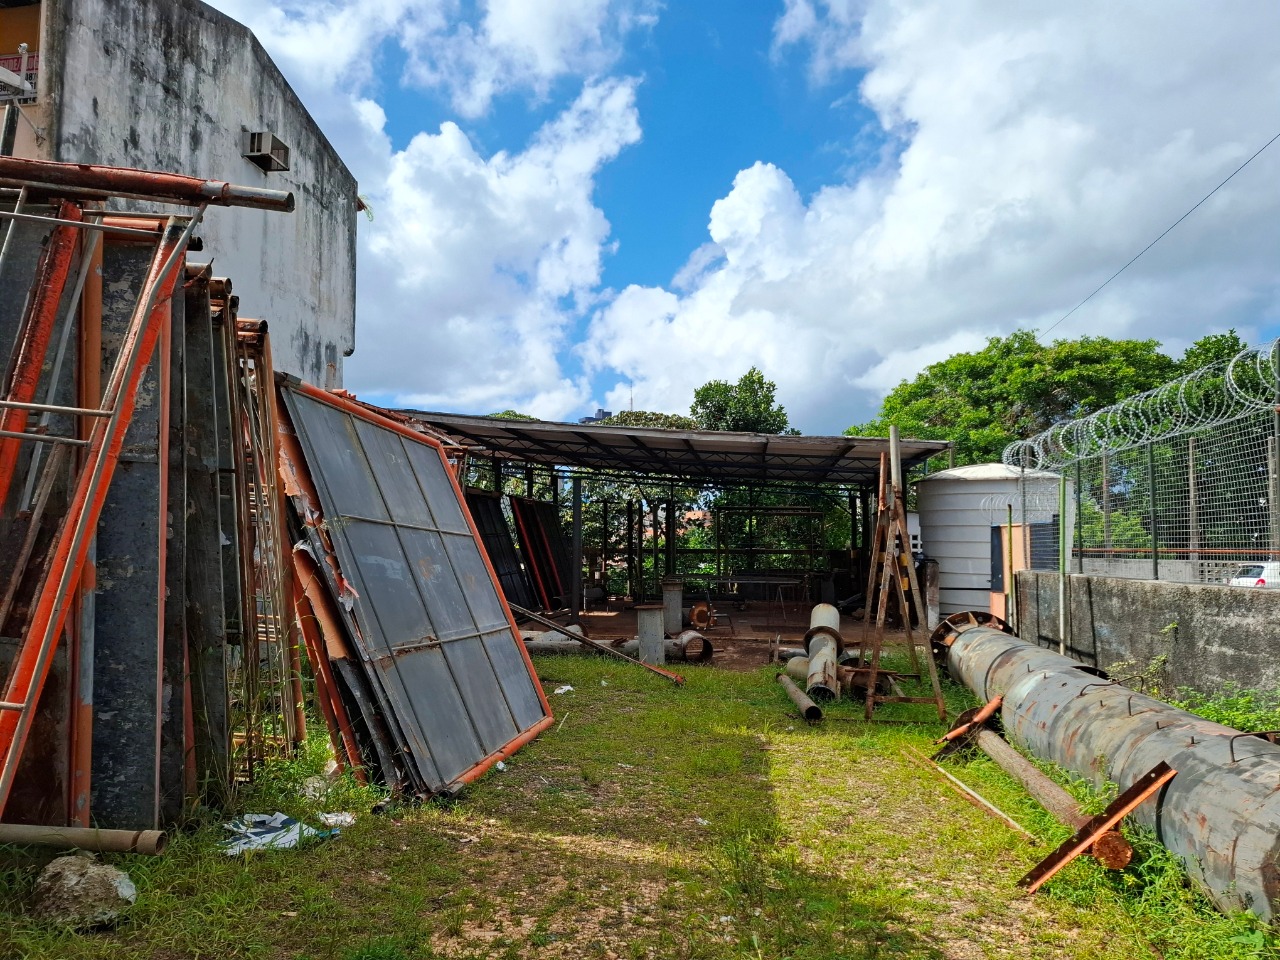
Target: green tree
(748, 405)
(1016, 386)
(1211, 349)
(651, 418)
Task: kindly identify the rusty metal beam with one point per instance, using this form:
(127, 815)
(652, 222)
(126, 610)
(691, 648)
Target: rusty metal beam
(1094, 829)
(92, 180)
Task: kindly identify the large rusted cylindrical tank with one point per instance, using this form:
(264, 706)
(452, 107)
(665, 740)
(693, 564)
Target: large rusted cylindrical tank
(1220, 814)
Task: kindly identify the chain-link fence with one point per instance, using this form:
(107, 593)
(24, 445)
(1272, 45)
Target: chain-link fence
(1180, 483)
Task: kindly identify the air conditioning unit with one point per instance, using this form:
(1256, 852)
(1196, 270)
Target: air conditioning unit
(266, 150)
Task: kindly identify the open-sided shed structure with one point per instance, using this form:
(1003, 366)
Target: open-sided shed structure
(847, 467)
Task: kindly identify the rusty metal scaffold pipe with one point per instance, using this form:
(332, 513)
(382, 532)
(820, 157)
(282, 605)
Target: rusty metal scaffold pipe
(91, 179)
(808, 709)
(1111, 850)
(148, 842)
(1220, 815)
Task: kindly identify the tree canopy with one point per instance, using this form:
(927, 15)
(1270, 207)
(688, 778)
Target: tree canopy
(748, 405)
(650, 418)
(1016, 386)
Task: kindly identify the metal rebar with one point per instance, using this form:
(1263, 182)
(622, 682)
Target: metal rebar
(82, 224)
(42, 438)
(54, 408)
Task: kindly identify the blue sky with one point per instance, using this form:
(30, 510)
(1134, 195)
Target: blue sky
(581, 200)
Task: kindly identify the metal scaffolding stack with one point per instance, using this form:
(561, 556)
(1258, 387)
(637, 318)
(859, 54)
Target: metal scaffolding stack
(129, 541)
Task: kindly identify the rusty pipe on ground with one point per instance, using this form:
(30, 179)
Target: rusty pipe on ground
(1111, 850)
(808, 709)
(689, 647)
(1220, 815)
(149, 842)
(97, 180)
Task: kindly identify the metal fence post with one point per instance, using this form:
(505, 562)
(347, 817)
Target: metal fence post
(1155, 517)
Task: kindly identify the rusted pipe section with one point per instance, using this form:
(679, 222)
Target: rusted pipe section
(90, 179)
(808, 709)
(1220, 814)
(1111, 850)
(822, 681)
(149, 842)
(689, 647)
(824, 621)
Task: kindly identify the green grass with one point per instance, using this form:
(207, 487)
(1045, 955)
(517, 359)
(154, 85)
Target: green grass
(651, 821)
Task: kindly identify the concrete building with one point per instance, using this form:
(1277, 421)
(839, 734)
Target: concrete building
(175, 85)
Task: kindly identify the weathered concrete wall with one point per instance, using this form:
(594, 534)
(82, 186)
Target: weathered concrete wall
(173, 85)
(1208, 634)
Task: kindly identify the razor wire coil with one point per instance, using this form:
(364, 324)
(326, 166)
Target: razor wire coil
(1212, 396)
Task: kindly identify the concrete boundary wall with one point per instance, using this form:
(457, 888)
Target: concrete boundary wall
(1209, 635)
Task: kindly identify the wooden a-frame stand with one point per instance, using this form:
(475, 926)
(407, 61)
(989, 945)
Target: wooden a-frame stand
(890, 555)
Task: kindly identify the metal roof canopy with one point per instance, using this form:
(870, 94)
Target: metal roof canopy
(712, 457)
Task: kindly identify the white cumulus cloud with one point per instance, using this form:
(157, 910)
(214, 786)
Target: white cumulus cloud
(1038, 147)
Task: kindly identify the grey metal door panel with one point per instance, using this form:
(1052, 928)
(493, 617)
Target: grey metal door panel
(394, 614)
(433, 633)
(479, 686)
(510, 667)
(438, 488)
(438, 584)
(337, 456)
(438, 709)
(403, 496)
(473, 575)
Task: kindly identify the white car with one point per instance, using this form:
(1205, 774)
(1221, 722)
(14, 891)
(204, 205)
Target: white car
(1256, 575)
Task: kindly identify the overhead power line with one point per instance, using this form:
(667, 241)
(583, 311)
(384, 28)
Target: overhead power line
(1161, 237)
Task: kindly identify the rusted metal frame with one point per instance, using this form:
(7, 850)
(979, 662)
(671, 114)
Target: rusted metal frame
(209, 769)
(87, 260)
(594, 644)
(376, 710)
(89, 396)
(254, 734)
(321, 630)
(267, 408)
(139, 184)
(57, 589)
(347, 405)
(882, 603)
(270, 583)
(32, 344)
(1087, 835)
(526, 537)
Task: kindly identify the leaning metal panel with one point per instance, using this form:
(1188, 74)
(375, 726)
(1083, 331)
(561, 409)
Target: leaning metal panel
(486, 510)
(428, 616)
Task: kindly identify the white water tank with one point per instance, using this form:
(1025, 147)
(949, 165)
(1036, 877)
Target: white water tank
(958, 510)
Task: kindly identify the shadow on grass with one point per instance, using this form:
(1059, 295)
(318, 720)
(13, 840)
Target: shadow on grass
(644, 824)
